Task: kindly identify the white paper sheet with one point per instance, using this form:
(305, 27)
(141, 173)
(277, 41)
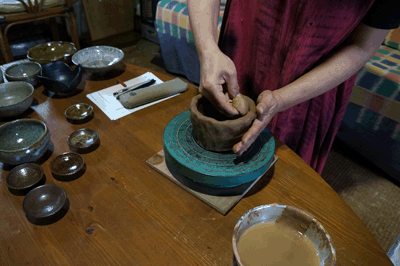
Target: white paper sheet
(107, 102)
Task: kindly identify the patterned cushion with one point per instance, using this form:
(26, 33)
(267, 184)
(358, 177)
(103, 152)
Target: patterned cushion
(173, 19)
(377, 92)
(393, 39)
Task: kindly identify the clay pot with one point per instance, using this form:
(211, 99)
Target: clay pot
(215, 132)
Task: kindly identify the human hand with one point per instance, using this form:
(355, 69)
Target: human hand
(219, 81)
(268, 104)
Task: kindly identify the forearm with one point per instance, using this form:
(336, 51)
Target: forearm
(203, 16)
(334, 70)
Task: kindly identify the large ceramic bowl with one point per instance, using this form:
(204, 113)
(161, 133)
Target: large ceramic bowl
(291, 219)
(52, 51)
(214, 132)
(59, 78)
(15, 98)
(25, 71)
(23, 141)
(98, 59)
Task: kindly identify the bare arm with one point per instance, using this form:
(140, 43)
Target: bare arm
(218, 82)
(361, 45)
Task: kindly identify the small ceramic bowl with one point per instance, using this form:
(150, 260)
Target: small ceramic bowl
(26, 71)
(24, 177)
(82, 138)
(98, 59)
(23, 141)
(59, 78)
(44, 201)
(15, 98)
(67, 164)
(300, 222)
(79, 111)
(51, 52)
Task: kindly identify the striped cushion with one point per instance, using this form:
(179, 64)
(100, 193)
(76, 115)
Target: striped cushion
(393, 39)
(377, 92)
(173, 19)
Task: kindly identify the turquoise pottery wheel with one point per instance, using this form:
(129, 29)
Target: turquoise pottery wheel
(214, 169)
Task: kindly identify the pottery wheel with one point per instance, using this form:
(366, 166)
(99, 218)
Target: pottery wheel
(214, 169)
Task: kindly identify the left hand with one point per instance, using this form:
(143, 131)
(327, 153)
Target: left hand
(268, 104)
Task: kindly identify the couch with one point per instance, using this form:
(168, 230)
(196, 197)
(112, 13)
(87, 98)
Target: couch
(371, 124)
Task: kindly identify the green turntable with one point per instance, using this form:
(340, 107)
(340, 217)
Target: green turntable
(214, 169)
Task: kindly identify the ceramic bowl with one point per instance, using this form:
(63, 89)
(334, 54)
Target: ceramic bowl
(82, 138)
(51, 52)
(59, 78)
(299, 221)
(67, 164)
(15, 98)
(214, 132)
(79, 111)
(26, 71)
(23, 141)
(44, 201)
(24, 177)
(98, 59)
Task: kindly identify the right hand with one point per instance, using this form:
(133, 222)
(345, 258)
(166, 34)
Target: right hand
(219, 81)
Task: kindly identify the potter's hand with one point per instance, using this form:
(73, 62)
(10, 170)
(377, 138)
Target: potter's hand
(268, 104)
(219, 81)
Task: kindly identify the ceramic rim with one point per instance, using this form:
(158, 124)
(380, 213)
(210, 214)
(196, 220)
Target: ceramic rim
(23, 63)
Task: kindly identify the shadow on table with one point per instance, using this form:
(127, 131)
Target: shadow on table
(25, 114)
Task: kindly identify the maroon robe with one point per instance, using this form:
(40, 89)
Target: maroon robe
(273, 42)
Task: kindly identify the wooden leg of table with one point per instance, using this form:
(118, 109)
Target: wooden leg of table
(5, 46)
(73, 30)
(54, 29)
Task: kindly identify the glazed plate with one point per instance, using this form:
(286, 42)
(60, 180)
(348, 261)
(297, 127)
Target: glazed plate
(67, 164)
(79, 111)
(83, 138)
(44, 201)
(24, 177)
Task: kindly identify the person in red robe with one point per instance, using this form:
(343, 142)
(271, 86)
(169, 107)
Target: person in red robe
(298, 59)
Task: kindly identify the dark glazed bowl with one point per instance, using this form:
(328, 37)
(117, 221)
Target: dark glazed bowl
(51, 52)
(59, 78)
(67, 164)
(23, 141)
(214, 132)
(24, 177)
(82, 138)
(25, 71)
(44, 201)
(15, 98)
(79, 111)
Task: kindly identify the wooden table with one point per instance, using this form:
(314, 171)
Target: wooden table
(124, 213)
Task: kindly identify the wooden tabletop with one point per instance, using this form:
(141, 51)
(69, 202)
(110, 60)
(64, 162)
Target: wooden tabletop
(124, 213)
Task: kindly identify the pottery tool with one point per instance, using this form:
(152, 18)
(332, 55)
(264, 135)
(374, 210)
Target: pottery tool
(214, 169)
(145, 92)
(220, 179)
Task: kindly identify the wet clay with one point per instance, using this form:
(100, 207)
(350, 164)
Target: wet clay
(276, 244)
(214, 131)
(241, 105)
